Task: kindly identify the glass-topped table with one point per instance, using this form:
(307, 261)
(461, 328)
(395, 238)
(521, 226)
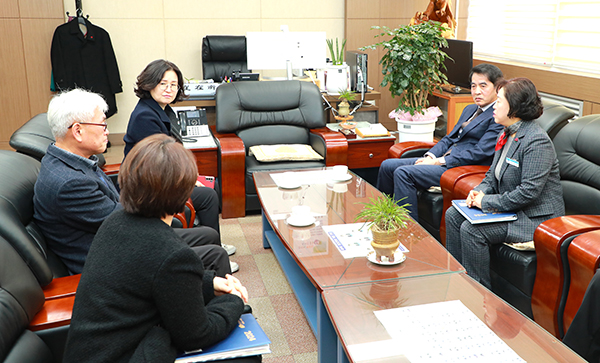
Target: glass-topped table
(352, 309)
(312, 262)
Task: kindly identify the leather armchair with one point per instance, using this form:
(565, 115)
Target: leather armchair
(432, 206)
(21, 302)
(266, 113)
(576, 147)
(222, 55)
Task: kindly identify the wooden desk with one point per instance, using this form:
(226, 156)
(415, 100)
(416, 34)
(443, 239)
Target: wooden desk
(452, 104)
(311, 271)
(351, 309)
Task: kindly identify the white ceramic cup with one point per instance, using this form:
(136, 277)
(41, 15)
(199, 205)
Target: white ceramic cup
(340, 171)
(301, 211)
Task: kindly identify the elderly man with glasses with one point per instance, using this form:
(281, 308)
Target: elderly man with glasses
(72, 194)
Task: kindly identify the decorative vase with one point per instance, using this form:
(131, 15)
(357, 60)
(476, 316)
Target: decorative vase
(385, 243)
(336, 78)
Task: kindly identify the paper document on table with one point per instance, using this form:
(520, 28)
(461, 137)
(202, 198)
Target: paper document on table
(444, 332)
(353, 239)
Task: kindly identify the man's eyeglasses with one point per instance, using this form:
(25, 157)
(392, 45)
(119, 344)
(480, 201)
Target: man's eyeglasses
(164, 86)
(89, 123)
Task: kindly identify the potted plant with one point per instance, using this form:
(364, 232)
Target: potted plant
(345, 96)
(412, 68)
(337, 71)
(387, 218)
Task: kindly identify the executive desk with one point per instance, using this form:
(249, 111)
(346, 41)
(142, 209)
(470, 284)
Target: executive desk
(312, 269)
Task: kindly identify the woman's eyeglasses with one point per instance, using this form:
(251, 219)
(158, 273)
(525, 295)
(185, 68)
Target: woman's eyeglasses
(164, 86)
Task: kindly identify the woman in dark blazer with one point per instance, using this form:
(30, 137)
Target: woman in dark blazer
(144, 293)
(523, 179)
(158, 86)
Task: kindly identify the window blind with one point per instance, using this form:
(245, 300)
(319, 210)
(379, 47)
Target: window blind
(554, 33)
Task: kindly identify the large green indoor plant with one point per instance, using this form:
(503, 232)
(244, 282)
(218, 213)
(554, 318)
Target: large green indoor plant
(413, 63)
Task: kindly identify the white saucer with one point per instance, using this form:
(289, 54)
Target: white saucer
(290, 186)
(384, 261)
(339, 178)
(300, 222)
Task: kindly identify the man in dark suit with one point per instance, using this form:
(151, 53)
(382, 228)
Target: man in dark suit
(471, 142)
(72, 196)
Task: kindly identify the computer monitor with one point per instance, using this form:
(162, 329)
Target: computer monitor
(459, 67)
(277, 50)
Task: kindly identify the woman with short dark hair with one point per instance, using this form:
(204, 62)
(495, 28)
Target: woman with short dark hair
(143, 291)
(158, 86)
(523, 179)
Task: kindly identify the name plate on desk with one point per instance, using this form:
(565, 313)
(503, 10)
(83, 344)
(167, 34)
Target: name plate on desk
(200, 89)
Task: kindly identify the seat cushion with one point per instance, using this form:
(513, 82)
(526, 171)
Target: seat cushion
(284, 152)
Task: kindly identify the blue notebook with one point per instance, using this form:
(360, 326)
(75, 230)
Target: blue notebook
(476, 216)
(245, 340)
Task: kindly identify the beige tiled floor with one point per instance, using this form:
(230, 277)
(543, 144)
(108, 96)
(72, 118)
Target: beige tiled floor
(271, 298)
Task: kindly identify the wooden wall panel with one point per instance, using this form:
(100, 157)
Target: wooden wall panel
(15, 104)
(361, 9)
(9, 9)
(42, 9)
(37, 38)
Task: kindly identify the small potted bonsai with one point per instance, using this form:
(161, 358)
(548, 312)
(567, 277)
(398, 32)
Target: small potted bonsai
(412, 68)
(387, 218)
(345, 97)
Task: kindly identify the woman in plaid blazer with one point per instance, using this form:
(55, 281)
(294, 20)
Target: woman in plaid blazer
(523, 179)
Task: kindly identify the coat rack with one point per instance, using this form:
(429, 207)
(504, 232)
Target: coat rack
(79, 11)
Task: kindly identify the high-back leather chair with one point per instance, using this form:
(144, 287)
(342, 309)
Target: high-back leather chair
(266, 113)
(222, 55)
(18, 174)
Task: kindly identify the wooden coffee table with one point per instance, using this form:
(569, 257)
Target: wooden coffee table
(313, 265)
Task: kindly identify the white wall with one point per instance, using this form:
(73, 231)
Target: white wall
(144, 30)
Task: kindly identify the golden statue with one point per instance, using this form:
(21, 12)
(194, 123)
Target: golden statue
(438, 10)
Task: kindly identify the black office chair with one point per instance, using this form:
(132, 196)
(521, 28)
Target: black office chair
(223, 55)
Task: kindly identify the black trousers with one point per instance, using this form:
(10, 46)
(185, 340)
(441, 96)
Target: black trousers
(206, 243)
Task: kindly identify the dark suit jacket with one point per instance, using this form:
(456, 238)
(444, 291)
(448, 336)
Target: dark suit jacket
(70, 201)
(475, 145)
(530, 187)
(147, 118)
(87, 62)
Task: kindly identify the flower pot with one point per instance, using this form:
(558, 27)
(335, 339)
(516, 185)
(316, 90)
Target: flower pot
(336, 79)
(416, 130)
(384, 243)
(344, 108)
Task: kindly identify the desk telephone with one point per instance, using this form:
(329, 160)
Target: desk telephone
(194, 123)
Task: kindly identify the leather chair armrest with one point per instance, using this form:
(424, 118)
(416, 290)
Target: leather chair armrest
(336, 146)
(400, 148)
(181, 216)
(456, 183)
(54, 313)
(548, 288)
(61, 287)
(232, 169)
(584, 259)
(111, 169)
